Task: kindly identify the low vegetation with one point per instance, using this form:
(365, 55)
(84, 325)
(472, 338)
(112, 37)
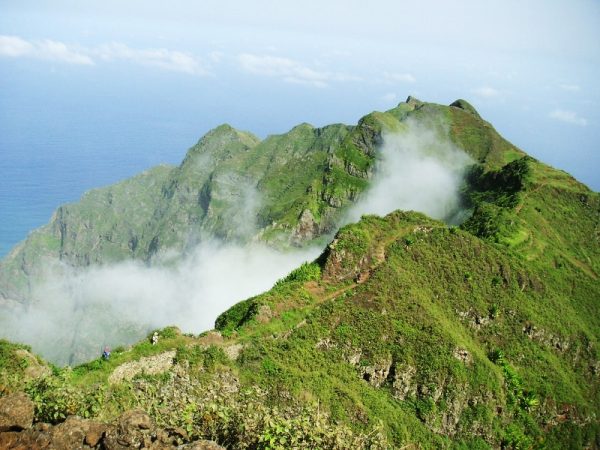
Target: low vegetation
(404, 333)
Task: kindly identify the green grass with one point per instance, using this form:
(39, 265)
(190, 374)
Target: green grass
(487, 333)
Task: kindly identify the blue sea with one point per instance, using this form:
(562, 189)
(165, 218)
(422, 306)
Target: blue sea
(39, 172)
(55, 146)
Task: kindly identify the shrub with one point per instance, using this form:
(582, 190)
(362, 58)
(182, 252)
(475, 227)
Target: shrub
(169, 332)
(306, 272)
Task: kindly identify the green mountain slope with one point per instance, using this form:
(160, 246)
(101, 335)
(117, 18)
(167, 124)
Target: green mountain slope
(234, 187)
(405, 333)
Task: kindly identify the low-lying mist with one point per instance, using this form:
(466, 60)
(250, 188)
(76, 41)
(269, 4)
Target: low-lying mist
(418, 169)
(77, 312)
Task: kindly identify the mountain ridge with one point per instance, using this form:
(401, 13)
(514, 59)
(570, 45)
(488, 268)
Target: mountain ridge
(406, 331)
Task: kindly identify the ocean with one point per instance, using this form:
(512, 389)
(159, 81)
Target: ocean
(49, 157)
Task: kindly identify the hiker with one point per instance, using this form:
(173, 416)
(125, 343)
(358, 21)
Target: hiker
(106, 353)
(155, 338)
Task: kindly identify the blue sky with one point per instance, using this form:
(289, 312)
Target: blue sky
(530, 68)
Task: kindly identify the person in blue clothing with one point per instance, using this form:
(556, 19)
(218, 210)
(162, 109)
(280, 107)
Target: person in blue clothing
(106, 353)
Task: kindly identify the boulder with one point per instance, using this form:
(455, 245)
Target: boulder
(133, 430)
(95, 432)
(37, 437)
(69, 434)
(16, 412)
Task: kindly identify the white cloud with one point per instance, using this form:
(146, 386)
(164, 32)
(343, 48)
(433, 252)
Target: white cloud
(570, 87)
(289, 70)
(399, 77)
(160, 57)
(58, 51)
(568, 117)
(174, 60)
(118, 304)
(486, 92)
(14, 46)
(418, 169)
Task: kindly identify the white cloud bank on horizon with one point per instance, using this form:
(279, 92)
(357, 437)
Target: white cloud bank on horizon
(159, 57)
(567, 116)
(50, 50)
(285, 69)
(15, 47)
(289, 70)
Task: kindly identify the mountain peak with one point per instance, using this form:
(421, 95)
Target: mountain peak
(413, 100)
(466, 106)
(228, 133)
(223, 140)
(303, 125)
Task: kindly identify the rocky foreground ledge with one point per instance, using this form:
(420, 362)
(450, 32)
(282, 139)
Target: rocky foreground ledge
(133, 429)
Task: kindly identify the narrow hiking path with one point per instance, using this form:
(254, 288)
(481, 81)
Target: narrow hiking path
(531, 237)
(318, 289)
(527, 194)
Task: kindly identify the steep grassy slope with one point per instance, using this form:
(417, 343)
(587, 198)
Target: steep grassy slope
(404, 333)
(414, 320)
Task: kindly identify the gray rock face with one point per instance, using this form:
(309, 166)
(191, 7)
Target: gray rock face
(306, 229)
(150, 365)
(34, 369)
(376, 374)
(404, 385)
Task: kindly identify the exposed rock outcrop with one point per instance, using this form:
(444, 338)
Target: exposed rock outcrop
(16, 412)
(151, 365)
(404, 385)
(377, 373)
(306, 229)
(134, 429)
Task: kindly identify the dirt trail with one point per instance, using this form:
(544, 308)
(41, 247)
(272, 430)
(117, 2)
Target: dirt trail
(527, 194)
(318, 291)
(378, 254)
